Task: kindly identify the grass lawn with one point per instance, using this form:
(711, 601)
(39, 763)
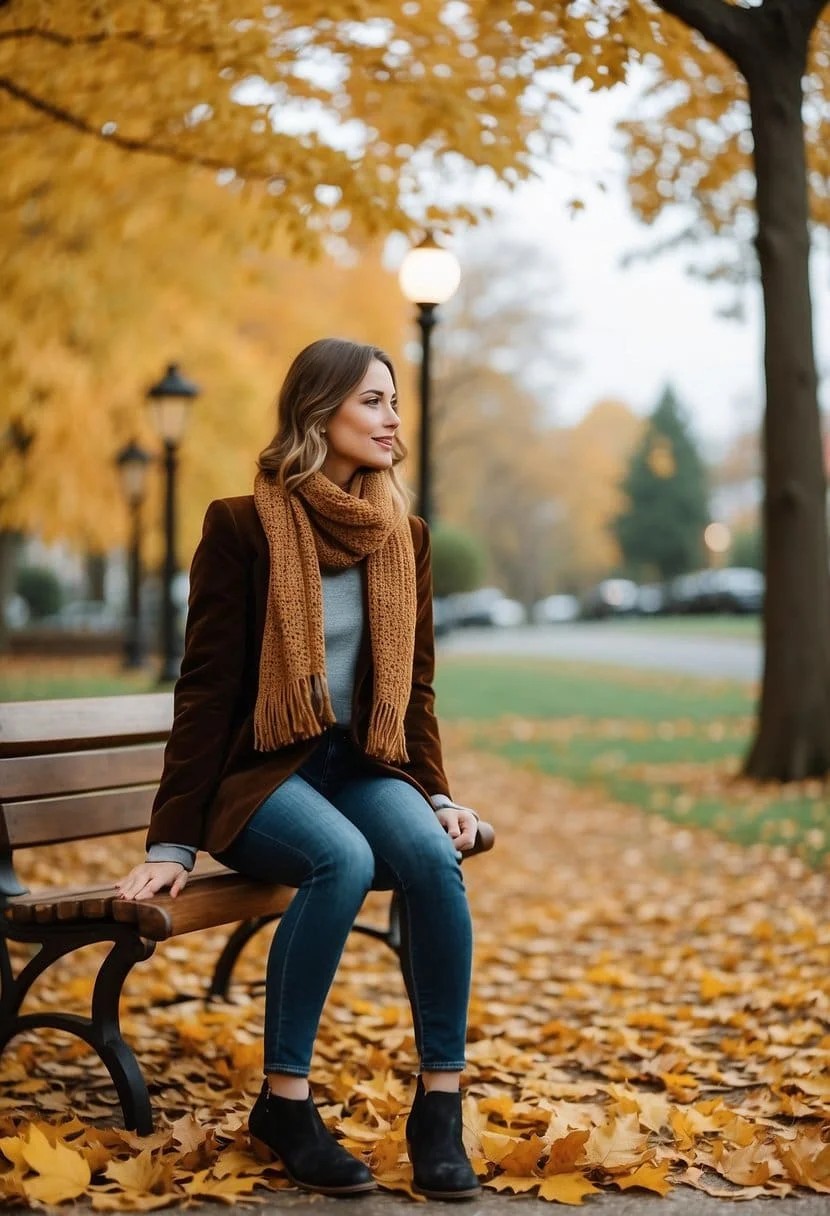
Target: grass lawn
(30, 679)
(670, 744)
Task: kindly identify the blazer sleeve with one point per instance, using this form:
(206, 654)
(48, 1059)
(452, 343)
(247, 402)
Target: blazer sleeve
(423, 740)
(209, 684)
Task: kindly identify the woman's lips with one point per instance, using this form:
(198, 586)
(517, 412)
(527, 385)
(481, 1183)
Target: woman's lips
(384, 443)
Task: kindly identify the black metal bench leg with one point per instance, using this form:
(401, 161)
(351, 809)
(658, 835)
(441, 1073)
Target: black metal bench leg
(102, 1031)
(242, 934)
(231, 951)
(118, 1057)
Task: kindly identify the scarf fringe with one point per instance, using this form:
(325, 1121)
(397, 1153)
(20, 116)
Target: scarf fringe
(299, 710)
(386, 739)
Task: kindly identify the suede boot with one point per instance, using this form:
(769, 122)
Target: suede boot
(433, 1138)
(291, 1130)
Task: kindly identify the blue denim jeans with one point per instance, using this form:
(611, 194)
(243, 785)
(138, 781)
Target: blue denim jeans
(335, 829)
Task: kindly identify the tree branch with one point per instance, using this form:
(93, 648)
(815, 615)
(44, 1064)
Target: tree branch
(812, 11)
(168, 151)
(725, 26)
(134, 37)
(809, 11)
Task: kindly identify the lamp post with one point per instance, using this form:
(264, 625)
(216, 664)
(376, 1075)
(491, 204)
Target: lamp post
(169, 401)
(132, 463)
(429, 276)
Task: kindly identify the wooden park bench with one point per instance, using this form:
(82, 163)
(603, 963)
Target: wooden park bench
(77, 769)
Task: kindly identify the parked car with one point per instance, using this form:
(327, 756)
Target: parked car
(83, 616)
(737, 589)
(733, 589)
(443, 617)
(652, 598)
(611, 597)
(687, 592)
(555, 610)
(487, 606)
(16, 612)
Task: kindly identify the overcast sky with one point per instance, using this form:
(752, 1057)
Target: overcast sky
(636, 328)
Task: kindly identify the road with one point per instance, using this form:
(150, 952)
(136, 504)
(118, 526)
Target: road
(618, 644)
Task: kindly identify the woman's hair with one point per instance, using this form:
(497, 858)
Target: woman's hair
(318, 381)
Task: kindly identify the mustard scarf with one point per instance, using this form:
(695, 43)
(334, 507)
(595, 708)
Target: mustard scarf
(316, 526)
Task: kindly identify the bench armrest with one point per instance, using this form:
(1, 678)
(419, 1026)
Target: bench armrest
(484, 841)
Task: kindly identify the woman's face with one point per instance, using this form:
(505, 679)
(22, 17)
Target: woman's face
(361, 431)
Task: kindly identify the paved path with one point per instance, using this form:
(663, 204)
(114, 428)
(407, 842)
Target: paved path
(681, 1202)
(621, 644)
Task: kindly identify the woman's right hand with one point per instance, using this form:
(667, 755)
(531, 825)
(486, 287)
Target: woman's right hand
(151, 877)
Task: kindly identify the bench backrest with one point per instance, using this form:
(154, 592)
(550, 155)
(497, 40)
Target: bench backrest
(77, 768)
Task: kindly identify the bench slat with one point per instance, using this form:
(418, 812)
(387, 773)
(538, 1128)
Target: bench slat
(75, 772)
(63, 904)
(75, 817)
(33, 727)
(207, 902)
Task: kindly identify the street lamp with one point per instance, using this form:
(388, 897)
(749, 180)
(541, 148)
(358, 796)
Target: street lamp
(428, 276)
(132, 463)
(169, 402)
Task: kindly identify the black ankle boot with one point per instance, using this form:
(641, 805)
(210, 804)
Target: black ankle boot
(292, 1130)
(433, 1138)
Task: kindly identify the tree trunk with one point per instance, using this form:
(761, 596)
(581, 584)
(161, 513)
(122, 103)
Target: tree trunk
(10, 543)
(793, 734)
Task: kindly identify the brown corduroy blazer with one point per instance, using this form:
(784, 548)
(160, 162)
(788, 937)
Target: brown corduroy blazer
(213, 780)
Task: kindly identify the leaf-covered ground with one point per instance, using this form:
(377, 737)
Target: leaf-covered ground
(650, 1009)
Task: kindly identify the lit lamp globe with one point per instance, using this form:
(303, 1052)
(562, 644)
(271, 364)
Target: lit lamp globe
(429, 275)
(169, 402)
(717, 538)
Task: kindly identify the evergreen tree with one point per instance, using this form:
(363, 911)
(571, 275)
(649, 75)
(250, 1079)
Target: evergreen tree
(660, 531)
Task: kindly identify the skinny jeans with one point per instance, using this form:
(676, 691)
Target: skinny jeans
(335, 829)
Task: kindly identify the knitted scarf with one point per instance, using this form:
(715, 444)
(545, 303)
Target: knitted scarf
(316, 526)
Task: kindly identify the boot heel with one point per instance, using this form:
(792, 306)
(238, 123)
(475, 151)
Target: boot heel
(262, 1151)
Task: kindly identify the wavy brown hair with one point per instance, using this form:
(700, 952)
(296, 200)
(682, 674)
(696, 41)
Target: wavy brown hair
(317, 383)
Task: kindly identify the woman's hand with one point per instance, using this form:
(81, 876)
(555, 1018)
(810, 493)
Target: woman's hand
(460, 824)
(151, 877)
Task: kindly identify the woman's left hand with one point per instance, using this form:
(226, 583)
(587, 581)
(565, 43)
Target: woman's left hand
(460, 824)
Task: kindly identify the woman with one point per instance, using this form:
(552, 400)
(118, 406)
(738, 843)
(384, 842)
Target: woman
(305, 751)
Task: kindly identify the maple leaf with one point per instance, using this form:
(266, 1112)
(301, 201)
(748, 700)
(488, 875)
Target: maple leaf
(144, 1173)
(566, 1188)
(188, 1133)
(618, 1145)
(647, 1177)
(61, 1172)
(513, 1182)
(496, 1145)
(386, 1154)
(565, 1153)
(524, 1157)
(204, 1185)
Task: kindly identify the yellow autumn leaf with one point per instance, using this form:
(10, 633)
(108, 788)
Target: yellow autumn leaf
(647, 1177)
(617, 1145)
(524, 1157)
(61, 1172)
(204, 1185)
(565, 1153)
(143, 1173)
(518, 1183)
(566, 1188)
(496, 1145)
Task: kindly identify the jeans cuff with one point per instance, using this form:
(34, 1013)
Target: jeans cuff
(291, 1069)
(452, 1066)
